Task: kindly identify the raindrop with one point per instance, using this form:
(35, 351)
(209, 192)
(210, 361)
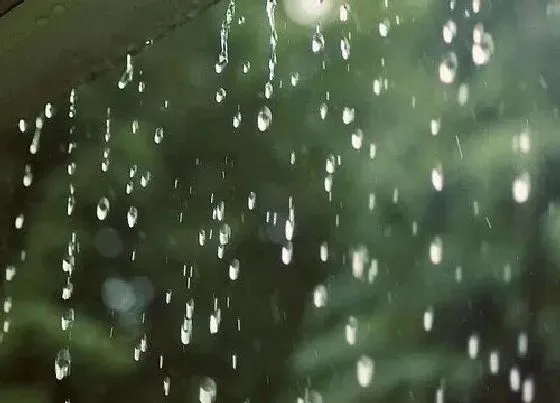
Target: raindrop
(320, 296)
(158, 135)
(357, 139)
(289, 230)
(448, 68)
(365, 369)
(246, 67)
(449, 31)
(166, 385)
(351, 330)
(344, 12)
(208, 391)
(186, 331)
(324, 251)
(359, 257)
(236, 121)
(220, 95)
(323, 109)
(22, 125)
(234, 269)
(264, 118)
(103, 208)
(202, 237)
(132, 216)
(62, 364)
(345, 48)
(251, 200)
(318, 40)
(473, 346)
(347, 115)
(224, 234)
(384, 27)
(482, 50)
(437, 178)
(287, 253)
(521, 188)
(494, 362)
(268, 90)
(436, 251)
(428, 319)
(67, 319)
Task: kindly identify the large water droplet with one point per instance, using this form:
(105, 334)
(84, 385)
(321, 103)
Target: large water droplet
(103, 208)
(264, 118)
(62, 364)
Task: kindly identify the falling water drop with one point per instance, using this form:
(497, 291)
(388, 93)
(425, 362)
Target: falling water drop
(320, 296)
(436, 251)
(287, 252)
(318, 40)
(62, 364)
(220, 95)
(347, 115)
(251, 200)
(345, 48)
(449, 31)
(234, 269)
(448, 68)
(186, 331)
(344, 12)
(357, 139)
(158, 135)
(208, 391)
(264, 118)
(365, 369)
(132, 216)
(103, 208)
(521, 188)
(224, 234)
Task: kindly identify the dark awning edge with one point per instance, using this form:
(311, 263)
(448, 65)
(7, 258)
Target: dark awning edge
(48, 47)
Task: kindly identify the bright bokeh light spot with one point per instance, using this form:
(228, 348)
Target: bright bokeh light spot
(308, 12)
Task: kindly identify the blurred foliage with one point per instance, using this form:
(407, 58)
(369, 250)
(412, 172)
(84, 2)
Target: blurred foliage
(505, 252)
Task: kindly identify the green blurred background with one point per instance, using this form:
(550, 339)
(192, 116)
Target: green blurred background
(435, 202)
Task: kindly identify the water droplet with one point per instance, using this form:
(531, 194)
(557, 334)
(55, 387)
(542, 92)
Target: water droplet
(264, 118)
(436, 251)
(220, 95)
(347, 115)
(234, 269)
(186, 331)
(344, 12)
(521, 188)
(318, 40)
(67, 319)
(449, 31)
(62, 364)
(384, 27)
(158, 135)
(208, 391)
(287, 252)
(103, 208)
(448, 68)
(320, 296)
(202, 237)
(132, 216)
(473, 346)
(251, 200)
(268, 90)
(345, 48)
(323, 109)
(365, 369)
(324, 251)
(246, 67)
(357, 139)
(437, 178)
(166, 385)
(428, 319)
(224, 234)
(236, 121)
